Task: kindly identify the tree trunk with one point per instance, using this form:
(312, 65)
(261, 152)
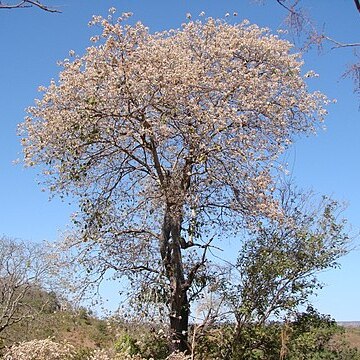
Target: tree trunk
(170, 250)
(179, 321)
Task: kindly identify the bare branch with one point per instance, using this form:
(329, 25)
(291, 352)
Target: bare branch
(198, 265)
(338, 44)
(27, 4)
(357, 4)
(300, 23)
(290, 9)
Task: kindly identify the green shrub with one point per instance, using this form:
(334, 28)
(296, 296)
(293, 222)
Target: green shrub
(153, 345)
(126, 344)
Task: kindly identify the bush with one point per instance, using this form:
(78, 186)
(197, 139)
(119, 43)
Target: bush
(144, 342)
(178, 356)
(126, 344)
(111, 355)
(40, 350)
(315, 336)
(154, 345)
(101, 355)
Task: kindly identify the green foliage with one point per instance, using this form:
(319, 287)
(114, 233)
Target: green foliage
(252, 342)
(212, 342)
(276, 269)
(144, 342)
(310, 336)
(126, 344)
(154, 345)
(257, 342)
(41, 300)
(63, 325)
(83, 314)
(314, 336)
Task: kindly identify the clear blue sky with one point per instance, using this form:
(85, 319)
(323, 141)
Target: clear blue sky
(33, 41)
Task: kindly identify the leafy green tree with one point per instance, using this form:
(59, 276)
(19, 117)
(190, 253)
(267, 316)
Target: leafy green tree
(276, 270)
(313, 336)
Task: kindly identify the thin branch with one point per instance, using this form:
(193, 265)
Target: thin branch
(357, 4)
(301, 24)
(197, 266)
(27, 4)
(338, 44)
(290, 9)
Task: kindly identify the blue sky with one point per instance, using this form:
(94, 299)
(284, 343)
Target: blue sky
(32, 42)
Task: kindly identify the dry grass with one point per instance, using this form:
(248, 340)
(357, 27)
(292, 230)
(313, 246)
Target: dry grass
(352, 336)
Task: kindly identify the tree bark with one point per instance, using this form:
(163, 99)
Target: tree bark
(170, 250)
(179, 321)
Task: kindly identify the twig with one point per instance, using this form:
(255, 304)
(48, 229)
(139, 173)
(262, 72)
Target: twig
(338, 44)
(29, 3)
(357, 4)
(290, 9)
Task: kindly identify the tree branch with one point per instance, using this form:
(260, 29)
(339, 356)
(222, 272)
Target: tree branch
(196, 267)
(27, 4)
(290, 9)
(338, 44)
(357, 4)
(299, 22)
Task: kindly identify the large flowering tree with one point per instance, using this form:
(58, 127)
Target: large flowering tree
(169, 140)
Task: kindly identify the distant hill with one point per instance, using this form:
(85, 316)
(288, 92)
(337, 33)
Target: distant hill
(349, 323)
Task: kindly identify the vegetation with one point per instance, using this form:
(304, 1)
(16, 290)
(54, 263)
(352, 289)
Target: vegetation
(275, 272)
(24, 269)
(171, 142)
(276, 268)
(63, 332)
(77, 335)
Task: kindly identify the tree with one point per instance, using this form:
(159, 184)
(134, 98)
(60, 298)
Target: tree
(276, 270)
(26, 4)
(24, 269)
(169, 141)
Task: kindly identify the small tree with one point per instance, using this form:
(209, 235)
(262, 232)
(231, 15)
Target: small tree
(276, 270)
(168, 139)
(24, 268)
